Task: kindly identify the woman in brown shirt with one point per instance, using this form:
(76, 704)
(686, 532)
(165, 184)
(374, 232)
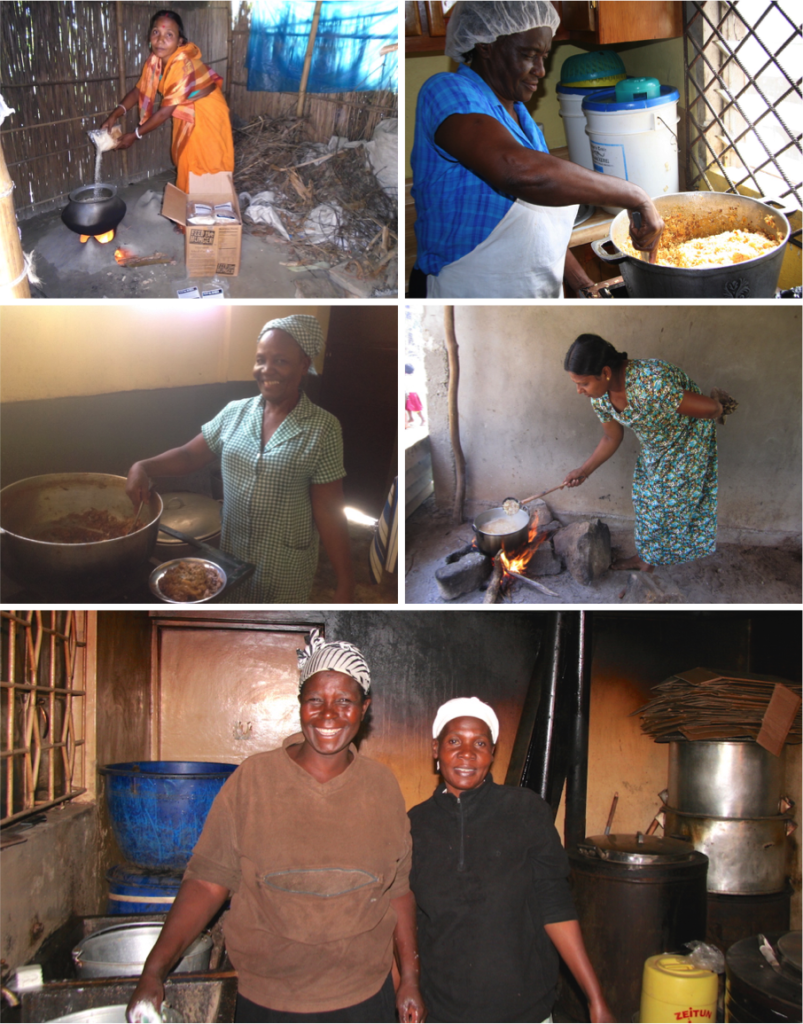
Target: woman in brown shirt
(312, 842)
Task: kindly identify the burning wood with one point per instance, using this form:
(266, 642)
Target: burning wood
(127, 258)
(508, 567)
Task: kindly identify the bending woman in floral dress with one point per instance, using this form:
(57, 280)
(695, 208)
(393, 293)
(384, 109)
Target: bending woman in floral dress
(675, 481)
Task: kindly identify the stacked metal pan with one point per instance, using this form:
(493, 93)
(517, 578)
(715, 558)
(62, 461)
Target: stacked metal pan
(726, 798)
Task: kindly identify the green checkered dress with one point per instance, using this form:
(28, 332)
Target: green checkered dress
(267, 511)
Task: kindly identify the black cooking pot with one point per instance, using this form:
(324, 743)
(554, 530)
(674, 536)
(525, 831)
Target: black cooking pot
(93, 210)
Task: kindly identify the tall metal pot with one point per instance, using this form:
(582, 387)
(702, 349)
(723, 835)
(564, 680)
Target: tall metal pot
(753, 279)
(59, 572)
(727, 779)
(491, 543)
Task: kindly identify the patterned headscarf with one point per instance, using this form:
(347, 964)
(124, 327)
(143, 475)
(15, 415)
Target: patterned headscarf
(468, 707)
(335, 656)
(304, 329)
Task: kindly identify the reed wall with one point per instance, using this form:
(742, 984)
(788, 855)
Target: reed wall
(61, 73)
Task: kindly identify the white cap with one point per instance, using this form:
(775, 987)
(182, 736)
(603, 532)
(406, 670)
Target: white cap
(465, 707)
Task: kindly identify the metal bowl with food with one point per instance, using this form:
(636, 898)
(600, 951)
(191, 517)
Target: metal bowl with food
(187, 580)
(46, 523)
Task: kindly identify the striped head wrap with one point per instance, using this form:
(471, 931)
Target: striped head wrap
(335, 656)
(304, 329)
(465, 707)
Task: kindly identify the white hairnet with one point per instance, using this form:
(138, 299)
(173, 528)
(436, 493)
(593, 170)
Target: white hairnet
(483, 21)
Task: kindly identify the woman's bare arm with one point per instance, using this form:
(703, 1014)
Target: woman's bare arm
(176, 462)
(409, 1004)
(330, 519)
(699, 406)
(612, 434)
(131, 99)
(568, 940)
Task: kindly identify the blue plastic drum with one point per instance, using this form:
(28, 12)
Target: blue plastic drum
(139, 891)
(158, 808)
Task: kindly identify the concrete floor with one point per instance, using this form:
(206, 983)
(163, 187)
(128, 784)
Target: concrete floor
(71, 270)
(736, 574)
(365, 590)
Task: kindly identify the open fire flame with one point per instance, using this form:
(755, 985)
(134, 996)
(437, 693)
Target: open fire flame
(520, 561)
(103, 239)
(122, 254)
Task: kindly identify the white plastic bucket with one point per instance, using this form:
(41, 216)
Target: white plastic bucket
(635, 140)
(574, 123)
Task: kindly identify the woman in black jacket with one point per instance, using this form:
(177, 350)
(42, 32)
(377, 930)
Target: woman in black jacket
(490, 880)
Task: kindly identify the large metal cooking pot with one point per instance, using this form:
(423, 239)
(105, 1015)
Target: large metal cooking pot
(491, 543)
(746, 855)
(72, 571)
(724, 778)
(193, 514)
(121, 951)
(635, 896)
(753, 279)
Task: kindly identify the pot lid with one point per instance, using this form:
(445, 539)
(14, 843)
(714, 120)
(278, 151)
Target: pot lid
(190, 513)
(636, 849)
(789, 946)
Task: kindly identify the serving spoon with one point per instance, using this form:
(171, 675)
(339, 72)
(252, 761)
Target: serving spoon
(513, 505)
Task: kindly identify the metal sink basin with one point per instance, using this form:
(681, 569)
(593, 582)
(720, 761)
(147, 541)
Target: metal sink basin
(194, 998)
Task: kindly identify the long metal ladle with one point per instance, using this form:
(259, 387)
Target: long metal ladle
(513, 505)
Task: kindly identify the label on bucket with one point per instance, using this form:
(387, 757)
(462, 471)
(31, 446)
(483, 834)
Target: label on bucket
(609, 158)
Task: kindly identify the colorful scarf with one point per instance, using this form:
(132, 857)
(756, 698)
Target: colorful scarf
(184, 76)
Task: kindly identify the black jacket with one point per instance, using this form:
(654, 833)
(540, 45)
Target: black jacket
(488, 873)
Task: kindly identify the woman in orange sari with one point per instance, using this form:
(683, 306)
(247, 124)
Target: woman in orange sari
(191, 95)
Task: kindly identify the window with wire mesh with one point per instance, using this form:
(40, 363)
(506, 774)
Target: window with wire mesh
(743, 97)
(42, 679)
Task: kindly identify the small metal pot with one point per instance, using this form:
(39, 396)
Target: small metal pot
(491, 543)
(745, 855)
(724, 778)
(121, 950)
(753, 279)
(93, 210)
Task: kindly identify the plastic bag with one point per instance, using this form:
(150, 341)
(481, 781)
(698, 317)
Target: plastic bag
(706, 957)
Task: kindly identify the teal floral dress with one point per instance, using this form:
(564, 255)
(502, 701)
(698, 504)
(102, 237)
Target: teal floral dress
(675, 481)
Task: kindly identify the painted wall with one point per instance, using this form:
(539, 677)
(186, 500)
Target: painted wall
(661, 59)
(523, 426)
(63, 351)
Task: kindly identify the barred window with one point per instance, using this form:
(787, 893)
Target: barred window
(743, 98)
(42, 684)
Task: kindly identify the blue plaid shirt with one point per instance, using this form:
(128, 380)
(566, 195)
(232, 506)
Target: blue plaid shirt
(455, 209)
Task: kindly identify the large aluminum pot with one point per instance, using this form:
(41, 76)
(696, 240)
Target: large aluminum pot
(113, 1014)
(745, 855)
(724, 778)
(72, 571)
(121, 950)
(753, 279)
(491, 543)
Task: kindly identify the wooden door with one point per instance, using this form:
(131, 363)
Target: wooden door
(360, 387)
(221, 693)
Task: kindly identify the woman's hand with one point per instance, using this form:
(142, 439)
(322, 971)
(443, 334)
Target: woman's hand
(648, 235)
(574, 478)
(149, 990)
(600, 1014)
(126, 141)
(409, 1004)
(110, 121)
(138, 484)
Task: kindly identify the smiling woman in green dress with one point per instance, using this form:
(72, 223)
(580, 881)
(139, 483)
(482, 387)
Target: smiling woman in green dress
(282, 466)
(675, 480)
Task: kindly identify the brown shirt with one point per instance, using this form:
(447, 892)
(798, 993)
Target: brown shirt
(312, 867)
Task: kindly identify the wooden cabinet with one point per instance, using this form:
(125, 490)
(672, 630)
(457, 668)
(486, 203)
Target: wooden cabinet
(594, 22)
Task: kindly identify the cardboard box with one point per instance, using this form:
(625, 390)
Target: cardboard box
(208, 249)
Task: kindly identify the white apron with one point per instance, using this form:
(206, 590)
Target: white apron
(522, 258)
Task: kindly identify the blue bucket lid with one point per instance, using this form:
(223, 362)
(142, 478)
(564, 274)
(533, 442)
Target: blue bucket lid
(605, 100)
(170, 769)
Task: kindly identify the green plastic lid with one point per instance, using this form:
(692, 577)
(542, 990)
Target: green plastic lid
(637, 89)
(590, 68)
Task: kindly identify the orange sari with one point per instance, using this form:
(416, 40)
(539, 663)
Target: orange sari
(202, 139)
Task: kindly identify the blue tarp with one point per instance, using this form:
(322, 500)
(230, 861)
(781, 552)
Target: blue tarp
(346, 57)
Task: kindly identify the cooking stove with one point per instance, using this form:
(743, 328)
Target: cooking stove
(615, 288)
